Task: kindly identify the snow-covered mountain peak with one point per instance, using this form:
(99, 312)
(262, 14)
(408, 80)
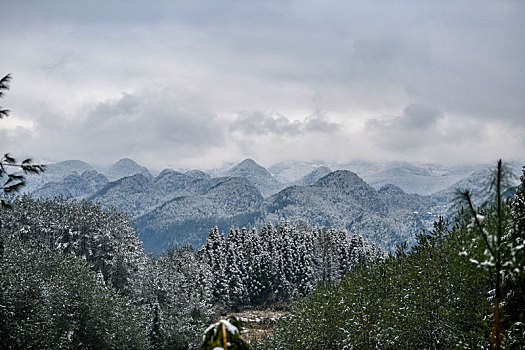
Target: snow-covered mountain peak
(313, 176)
(197, 174)
(341, 179)
(125, 167)
(67, 167)
(391, 189)
(257, 175)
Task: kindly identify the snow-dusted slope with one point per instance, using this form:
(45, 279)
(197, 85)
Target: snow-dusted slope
(257, 175)
(73, 185)
(174, 184)
(56, 172)
(125, 167)
(135, 194)
(197, 174)
(233, 202)
(312, 177)
(342, 199)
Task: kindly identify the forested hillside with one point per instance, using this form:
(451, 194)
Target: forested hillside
(187, 220)
(461, 286)
(74, 274)
(340, 199)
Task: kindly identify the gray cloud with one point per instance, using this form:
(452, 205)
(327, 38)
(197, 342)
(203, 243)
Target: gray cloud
(417, 117)
(164, 117)
(317, 122)
(413, 129)
(152, 126)
(259, 123)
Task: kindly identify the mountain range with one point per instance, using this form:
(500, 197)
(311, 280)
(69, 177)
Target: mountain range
(175, 208)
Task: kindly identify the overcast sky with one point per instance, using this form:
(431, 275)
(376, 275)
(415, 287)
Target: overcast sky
(195, 84)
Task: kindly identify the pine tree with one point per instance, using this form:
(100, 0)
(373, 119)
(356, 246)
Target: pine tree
(213, 254)
(304, 260)
(181, 287)
(514, 284)
(491, 231)
(51, 300)
(105, 239)
(235, 274)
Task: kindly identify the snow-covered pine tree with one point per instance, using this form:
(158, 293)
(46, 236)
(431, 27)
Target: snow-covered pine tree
(181, 286)
(279, 265)
(304, 266)
(234, 269)
(103, 238)
(213, 254)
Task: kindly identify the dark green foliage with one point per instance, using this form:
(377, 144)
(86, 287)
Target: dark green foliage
(490, 224)
(429, 298)
(156, 334)
(103, 238)
(51, 293)
(14, 181)
(4, 86)
(514, 284)
(178, 288)
(52, 301)
(172, 292)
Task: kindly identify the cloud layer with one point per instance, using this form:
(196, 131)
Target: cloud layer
(415, 128)
(260, 124)
(196, 83)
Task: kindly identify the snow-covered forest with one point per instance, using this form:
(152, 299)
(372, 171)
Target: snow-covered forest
(277, 265)
(462, 286)
(64, 260)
